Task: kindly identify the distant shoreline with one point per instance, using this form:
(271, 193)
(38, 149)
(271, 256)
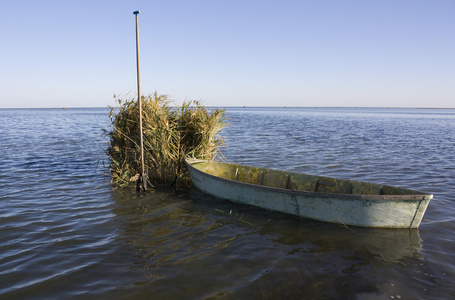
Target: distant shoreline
(249, 106)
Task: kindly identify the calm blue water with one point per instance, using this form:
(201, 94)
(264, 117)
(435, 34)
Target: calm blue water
(66, 234)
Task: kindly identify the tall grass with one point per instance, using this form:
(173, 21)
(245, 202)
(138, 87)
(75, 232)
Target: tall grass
(169, 133)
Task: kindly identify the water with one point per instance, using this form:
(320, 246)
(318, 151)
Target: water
(66, 234)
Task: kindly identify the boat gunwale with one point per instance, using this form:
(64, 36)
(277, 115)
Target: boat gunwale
(409, 197)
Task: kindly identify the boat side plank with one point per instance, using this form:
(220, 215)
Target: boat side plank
(322, 198)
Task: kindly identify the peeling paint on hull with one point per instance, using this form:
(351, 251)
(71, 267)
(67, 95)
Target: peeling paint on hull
(327, 199)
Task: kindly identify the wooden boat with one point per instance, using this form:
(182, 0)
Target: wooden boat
(321, 198)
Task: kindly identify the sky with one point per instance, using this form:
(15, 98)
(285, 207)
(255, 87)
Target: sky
(342, 53)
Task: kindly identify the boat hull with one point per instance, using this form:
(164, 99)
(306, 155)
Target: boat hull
(384, 211)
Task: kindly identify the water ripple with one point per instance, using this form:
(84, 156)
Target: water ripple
(66, 234)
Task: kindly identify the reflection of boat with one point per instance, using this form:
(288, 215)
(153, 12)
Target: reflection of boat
(322, 198)
(376, 245)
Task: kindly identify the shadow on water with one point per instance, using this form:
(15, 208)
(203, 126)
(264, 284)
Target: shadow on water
(191, 245)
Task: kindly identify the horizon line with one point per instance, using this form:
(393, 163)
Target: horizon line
(243, 106)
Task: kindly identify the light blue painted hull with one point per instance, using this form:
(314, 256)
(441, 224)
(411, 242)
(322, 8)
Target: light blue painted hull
(402, 210)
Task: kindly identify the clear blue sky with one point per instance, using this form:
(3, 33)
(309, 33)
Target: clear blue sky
(229, 53)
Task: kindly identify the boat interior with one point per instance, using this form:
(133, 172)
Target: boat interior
(297, 181)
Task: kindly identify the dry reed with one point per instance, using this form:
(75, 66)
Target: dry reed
(169, 133)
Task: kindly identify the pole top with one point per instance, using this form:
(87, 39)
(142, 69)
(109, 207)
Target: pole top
(136, 12)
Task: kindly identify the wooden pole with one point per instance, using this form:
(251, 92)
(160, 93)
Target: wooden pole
(142, 175)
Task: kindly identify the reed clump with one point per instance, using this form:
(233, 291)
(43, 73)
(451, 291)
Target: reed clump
(170, 133)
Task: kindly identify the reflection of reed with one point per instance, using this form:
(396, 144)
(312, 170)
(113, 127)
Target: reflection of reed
(172, 242)
(165, 230)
